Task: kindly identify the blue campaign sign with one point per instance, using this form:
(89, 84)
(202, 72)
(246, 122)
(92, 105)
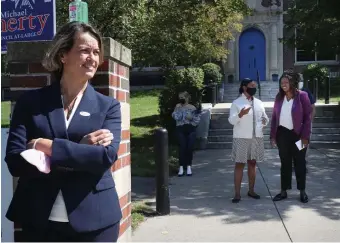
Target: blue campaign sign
(27, 20)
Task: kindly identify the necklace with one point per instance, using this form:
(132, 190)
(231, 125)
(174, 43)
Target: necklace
(69, 107)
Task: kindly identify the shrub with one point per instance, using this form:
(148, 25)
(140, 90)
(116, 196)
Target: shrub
(317, 71)
(212, 73)
(176, 81)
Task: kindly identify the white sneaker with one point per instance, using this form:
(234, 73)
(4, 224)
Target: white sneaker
(180, 172)
(189, 172)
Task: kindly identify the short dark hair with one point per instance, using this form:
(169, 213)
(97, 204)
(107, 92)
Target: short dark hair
(244, 82)
(63, 42)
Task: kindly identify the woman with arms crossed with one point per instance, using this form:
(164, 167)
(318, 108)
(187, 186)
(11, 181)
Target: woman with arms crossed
(79, 131)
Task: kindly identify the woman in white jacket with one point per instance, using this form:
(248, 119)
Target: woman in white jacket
(248, 116)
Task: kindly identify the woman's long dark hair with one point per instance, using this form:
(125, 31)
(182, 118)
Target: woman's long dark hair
(293, 78)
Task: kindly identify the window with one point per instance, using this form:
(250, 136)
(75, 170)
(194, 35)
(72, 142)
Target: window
(307, 54)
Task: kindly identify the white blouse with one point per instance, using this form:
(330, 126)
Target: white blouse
(286, 119)
(59, 212)
(249, 125)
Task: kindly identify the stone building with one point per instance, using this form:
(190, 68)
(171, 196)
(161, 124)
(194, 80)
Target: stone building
(257, 49)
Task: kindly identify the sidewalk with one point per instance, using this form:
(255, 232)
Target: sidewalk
(201, 208)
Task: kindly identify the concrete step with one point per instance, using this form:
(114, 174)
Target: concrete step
(320, 112)
(325, 144)
(267, 145)
(266, 131)
(326, 125)
(332, 110)
(235, 92)
(264, 99)
(262, 83)
(269, 111)
(315, 137)
(229, 145)
(227, 125)
(215, 122)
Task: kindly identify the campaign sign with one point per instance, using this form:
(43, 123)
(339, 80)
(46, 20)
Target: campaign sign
(27, 20)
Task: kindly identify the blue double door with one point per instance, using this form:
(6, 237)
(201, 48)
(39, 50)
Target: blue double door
(252, 51)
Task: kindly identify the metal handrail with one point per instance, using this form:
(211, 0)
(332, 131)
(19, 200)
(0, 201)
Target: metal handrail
(258, 82)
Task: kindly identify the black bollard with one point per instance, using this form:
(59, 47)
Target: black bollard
(258, 82)
(214, 94)
(316, 89)
(327, 89)
(162, 171)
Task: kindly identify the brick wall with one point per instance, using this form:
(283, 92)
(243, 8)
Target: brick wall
(112, 79)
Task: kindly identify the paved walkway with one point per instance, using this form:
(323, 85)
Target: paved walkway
(201, 208)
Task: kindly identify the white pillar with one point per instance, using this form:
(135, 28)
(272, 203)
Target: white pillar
(280, 35)
(231, 57)
(251, 4)
(274, 49)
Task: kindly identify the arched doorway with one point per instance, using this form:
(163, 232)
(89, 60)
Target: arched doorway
(252, 54)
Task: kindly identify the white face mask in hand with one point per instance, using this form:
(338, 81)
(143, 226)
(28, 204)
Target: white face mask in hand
(300, 85)
(38, 159)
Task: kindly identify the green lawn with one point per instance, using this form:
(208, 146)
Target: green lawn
(5, 112)
(139, 211)
(144, 120)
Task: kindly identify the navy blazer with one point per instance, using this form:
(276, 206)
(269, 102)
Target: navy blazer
(82, 172)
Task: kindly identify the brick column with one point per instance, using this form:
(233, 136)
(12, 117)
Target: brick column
(112, 79)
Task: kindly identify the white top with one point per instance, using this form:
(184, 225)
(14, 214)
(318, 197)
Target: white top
(286, 119)
(59, 212)
(244, 127)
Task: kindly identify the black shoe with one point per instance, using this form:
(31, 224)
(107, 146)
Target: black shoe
(236, 200)
(280, 197)
(255, 196)
(303, 197)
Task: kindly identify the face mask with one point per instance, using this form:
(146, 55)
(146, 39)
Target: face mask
(300, 85)
(251, 91)
(182, 101)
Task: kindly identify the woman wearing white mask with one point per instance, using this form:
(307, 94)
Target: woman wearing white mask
(187, 118)
(310, 95)
(248, 116)
(312, 101)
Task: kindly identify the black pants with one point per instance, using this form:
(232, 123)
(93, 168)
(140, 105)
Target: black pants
(186, 138)
(289, 153)
(63, 232)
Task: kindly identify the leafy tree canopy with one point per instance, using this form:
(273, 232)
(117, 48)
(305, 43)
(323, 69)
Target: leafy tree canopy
(166, 32)
(315, 21)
